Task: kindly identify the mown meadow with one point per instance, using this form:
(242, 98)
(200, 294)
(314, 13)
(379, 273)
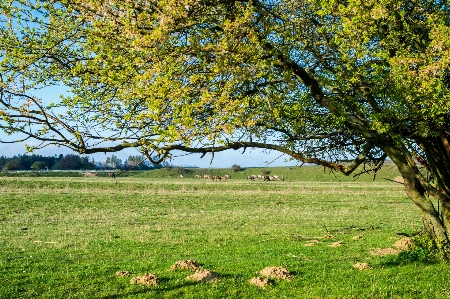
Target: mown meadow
(67, 237)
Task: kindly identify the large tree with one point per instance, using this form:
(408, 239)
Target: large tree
(336, 83)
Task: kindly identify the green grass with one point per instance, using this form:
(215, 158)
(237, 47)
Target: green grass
(66, 237)
(304, 173)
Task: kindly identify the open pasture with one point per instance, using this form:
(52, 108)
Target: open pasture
(67, 238)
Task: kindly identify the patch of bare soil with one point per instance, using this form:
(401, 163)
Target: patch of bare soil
(147, 279)
(356, 238)
(259, 282)
(403, 244)
(204, 275)
(336, 244)
(312, 243)
(384, 251)
(362, 266)
(328, 236)
(276, 272)
(399, 179)
(122, 273)
(191, 265)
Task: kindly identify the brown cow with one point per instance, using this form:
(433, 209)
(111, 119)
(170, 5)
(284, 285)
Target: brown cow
(216, 178)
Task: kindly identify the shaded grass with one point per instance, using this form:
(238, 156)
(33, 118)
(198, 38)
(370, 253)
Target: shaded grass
(66, 238)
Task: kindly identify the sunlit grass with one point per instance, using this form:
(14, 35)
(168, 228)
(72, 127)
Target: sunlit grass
(66, 238)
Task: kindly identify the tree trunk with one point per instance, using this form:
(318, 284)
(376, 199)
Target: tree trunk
(437, 226)
(433, 223)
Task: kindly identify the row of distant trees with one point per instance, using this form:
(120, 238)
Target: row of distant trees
(73, 162)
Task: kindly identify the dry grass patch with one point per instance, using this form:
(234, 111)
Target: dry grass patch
(312, 243)
(122, 273)
(362, 266)
(337, 244)
(384, 251)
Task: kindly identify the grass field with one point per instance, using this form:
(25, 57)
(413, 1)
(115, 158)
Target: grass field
(67, 237)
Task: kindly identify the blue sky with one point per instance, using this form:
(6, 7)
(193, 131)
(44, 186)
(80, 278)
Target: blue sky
(251, 157)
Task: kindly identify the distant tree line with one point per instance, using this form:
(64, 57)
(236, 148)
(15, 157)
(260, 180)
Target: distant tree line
(74, 162)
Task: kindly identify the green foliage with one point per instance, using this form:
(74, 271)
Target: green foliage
(227, 75)
(433, 249)
(236, 168)
(13, 164)
(416, 254)
(69, 161)
(38, 165)
(265, 172)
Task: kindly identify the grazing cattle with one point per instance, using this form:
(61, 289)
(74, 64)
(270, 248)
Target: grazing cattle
(197, 176)
(206, 176)
(282, 178)
(260, 176)
(223, 178)
(266, 178)
(228, 177)
(275, 177)
(251, 177)
(112, 175)
(216, 178)
(181, 176)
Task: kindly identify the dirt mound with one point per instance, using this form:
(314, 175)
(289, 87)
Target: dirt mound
(148, 279)
(403, 244)
(384, 251)
(204, 275)
(122, 273)
(312, 243)
(186, 265)
(362, 266)
(399, 179)
(259, 282)
(336, 244)
(276, 272)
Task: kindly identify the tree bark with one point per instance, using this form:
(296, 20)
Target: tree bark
(436, 226)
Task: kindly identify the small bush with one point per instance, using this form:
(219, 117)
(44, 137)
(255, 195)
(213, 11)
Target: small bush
(416, 254)
(236, 168)
(265, 172)
(434, 249)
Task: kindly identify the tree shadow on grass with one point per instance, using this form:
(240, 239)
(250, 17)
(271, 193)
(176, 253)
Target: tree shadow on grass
(163, 286)
(396, 261)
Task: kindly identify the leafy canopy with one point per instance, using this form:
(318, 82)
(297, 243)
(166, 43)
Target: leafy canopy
(323, 81)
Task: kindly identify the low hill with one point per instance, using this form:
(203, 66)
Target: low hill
(304, 173)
